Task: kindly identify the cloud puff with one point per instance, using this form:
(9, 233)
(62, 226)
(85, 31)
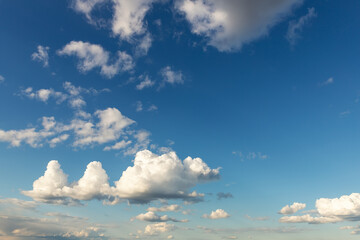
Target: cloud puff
(228, 24)
(92, 56)
(295, 27)
(170, 76)
(153, 217)
(292, 209)
(152, 177)
(330, 210)
(41, 55)
(167, 208)
(157, 228)
(146, 82)
(217, 214)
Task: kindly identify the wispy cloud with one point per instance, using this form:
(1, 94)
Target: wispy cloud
(296, 27)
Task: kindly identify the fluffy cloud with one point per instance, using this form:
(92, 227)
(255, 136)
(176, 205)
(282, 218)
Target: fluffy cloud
(167, 208)
(157, 228)
(146, 82)
(153, 217)
(152, 177)
(171, 77)
(41, 55)
(228, 24)
(129, 17)
(92, 56)
(330, 210)
(217, 214)
(118, 145)
(295, 27)
(292, 209)
(86, 6)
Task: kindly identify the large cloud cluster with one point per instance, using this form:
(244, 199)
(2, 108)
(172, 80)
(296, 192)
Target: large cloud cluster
(151, 177)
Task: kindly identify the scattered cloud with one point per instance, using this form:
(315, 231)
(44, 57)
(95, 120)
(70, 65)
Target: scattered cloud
(41, 55)
(2, 79)
(257, 218)
(217, 214)
(152, 177)
(295, 27)
(171, 77)
(250, 155)
(295, 207)
(139, 106)
(119, 145)
(355, 229)
(331, 210)
(167, 208)
(153, 217)
(222, 195)
(227, 25)
(146, 82)
(157, 228)
(86, 7)
(94, 56)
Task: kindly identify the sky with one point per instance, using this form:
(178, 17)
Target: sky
(179, 119)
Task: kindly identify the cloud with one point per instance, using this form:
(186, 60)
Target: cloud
(151, 177)
(292, 209)
(295, 27)
(256, 218)
(229, 24)
(139, 106)
(153, 217)
(327, 82)
(118, 145)
(146, 82)
(355, 229)
(250, 155)
(86, 6)
(94, 56)
(18, 203)
(222, 195)
(331, 210)
(167, 208)
(217, 214)
(170, 76)
(157, 228)
(41, 55)
(152, 107)
(2, 79)
(143, 47)
(110, 126)
(129, 17)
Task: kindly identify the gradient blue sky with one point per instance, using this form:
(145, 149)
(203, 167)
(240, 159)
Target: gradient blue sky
(266, 91)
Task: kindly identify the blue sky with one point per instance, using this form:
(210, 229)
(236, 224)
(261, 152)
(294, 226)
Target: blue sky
(262, 95)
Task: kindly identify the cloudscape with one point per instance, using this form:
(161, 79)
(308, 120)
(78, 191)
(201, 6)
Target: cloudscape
(179, 119)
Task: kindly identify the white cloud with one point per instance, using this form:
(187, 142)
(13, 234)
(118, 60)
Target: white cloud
(92, 56)
(129, 17)
(86, 6)
(171, 77)
(2, 79)
(151, 177)
(217, 214)
(157, 228)
(18, 203)
(295, 27)
(143, 47)
(118, 145)
(355, 229)
(139, 106)
(41, 55)
(146, 82)
(292, 209)
(330, 210)
(228, 24)
(152, 107)
(153, 217)
(167, 208)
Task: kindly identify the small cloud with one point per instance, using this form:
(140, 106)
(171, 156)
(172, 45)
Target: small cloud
(296, 27)
(152, 108)
(250, 155)
(344, 114)
(41, 55)
(146, 82)
(217, 214)
(169, 76)
(292, 209)
(222, 195)
(2, 79)
(139, 106)
(327, 82)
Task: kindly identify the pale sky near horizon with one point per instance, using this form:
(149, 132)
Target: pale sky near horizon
(179, 119)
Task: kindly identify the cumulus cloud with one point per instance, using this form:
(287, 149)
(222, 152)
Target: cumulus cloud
(151, 177)
(94, 56)
(129, 17)
(167, 208)
(157, 228)
(41, 55)
(292, 209)
(153, 217)
(229, 24)
(170, 76)
(295, 27)
(217, 214)
(330, 210)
